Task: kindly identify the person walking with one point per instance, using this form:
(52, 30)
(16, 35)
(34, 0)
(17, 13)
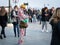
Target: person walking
(23, 20)
(15, 20)
(3, 21)
(45, 15)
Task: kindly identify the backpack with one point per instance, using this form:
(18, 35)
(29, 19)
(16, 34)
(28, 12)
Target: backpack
(12, 14)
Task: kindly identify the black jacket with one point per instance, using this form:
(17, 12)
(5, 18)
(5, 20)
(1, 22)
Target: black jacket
(45, 18)
(55, 33)
(3, 20)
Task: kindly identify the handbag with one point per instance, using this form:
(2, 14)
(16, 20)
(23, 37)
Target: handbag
(23, 24)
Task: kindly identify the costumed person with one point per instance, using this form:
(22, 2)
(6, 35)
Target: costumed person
(23, 22)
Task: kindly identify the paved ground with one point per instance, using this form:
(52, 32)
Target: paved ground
(34, 36)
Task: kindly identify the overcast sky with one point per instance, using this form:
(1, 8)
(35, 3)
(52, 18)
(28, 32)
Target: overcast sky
(33, 3)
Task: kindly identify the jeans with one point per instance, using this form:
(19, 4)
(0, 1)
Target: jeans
(16, 27)
(3, 32)
(44, 23)
(40, 18)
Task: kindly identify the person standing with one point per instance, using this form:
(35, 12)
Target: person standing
(55, 23)
(52, 11)
(3, 21)
(15, 20)
(45, 15)
(30, 13)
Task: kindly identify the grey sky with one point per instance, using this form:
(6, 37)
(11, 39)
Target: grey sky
(33, 3)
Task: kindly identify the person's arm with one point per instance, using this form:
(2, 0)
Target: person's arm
(51, 22)
(21, 14)
(46, 14)
(14, 14)
(6, 17)
(59, 27)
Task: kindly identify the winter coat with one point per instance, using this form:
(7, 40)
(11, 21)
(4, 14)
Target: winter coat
(3, 20)
(55, 33)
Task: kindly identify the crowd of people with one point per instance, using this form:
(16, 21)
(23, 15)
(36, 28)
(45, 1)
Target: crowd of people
(21, 15)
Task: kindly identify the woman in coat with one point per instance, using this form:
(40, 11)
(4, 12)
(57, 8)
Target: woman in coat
(3, 21)
(55, 23)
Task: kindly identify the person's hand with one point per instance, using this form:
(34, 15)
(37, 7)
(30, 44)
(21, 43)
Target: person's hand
(29, 16)
(46, 14)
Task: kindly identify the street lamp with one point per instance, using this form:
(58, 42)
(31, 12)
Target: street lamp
(9, 6)
(9, 13)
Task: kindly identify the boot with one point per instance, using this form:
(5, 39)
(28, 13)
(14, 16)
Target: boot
(1, 37)
(4, 35)
(18, 35)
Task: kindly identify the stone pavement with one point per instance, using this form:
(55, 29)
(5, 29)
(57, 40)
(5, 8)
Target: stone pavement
(34, 36)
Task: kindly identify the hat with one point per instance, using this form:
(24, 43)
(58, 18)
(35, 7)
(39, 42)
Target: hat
(23, 6)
